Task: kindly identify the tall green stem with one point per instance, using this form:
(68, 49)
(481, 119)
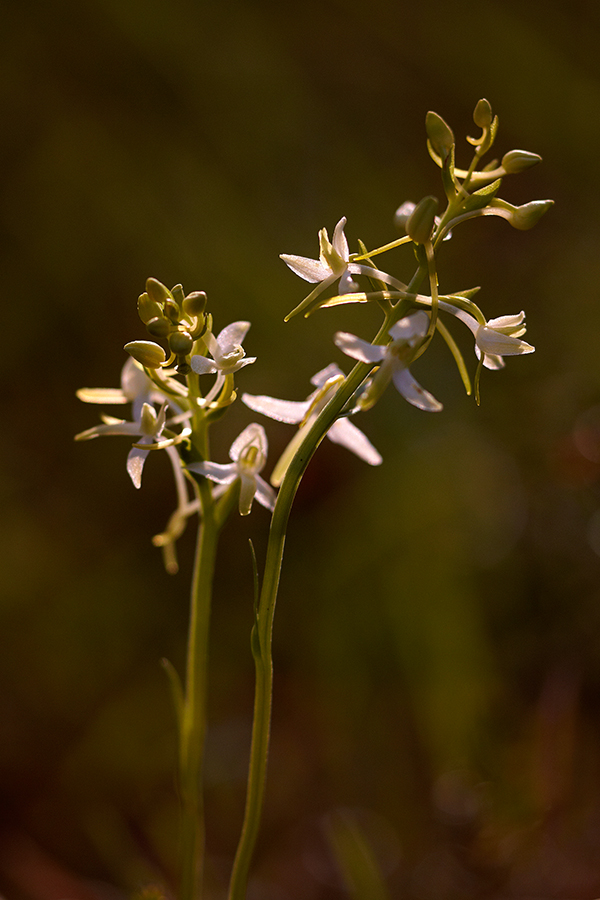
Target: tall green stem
(194, 713)
(263, 630)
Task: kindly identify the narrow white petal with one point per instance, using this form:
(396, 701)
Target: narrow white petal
(290, 411)
(312, 270)
(247, 492)
(102, 395)
(357, 348)
(339, 242)
(118, 427)
(135, 464)
(344, 432)
(412, 391)
(222, 473)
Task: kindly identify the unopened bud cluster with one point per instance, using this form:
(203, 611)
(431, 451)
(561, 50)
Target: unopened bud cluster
(172, 316)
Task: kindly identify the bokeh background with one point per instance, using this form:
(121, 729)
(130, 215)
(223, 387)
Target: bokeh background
(437, 643)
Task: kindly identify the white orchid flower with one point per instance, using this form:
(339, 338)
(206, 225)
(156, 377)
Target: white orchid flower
(497, 338)
(334, 263)
(249, 454)
(405, 334)
(228, 356)
(304, 413)
(149, 428)
(136, 388)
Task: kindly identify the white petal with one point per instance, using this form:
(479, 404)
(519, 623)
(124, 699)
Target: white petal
(291, 411)
(410, 327)
(202, 366)
(116, 427)
(330, 371)
(247, 492)
(265, 493)
(508, 324)
(222, 473)
(254, 435)
(497, 344)
(339, 242)
(344, 432)
(134, 380)
(135, 463)
(102, 395)
(246, 361)
(357, 348)
(412, 391)
(312, 270)
(489, 360)
(232, 335)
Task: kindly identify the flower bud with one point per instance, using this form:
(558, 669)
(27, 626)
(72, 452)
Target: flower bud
(421, 222)
(195, 304)
(440, 135)
(172, 311)
(147, 308)
(516, 161)
(147, 353)
(181, 343)
(482, 114)
(526, 216)
(158, 327)
(157, 290)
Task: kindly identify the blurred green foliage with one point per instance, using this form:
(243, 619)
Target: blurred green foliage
(438, 637)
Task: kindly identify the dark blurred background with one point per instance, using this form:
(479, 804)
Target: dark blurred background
(437, 642)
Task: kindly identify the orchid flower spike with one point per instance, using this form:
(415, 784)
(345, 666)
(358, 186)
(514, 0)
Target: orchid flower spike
(228, 356)
(304, 413)
(334, 263)
(249, 454)
(394, 359)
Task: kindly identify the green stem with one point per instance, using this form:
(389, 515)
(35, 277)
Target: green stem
(263, 629)
(194, 713)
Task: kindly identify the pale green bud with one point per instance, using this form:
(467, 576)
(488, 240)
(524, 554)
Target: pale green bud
(147, 353)
(516, 161)
(421, 222)
(157, 290)
(181, 343)
(158, 327)
(147, 308)
(195, 304)
(172, 311)
(178, 294)
(440, 135)
(482, 114)
(526, 216)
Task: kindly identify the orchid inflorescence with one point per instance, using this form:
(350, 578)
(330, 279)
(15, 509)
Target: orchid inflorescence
(165, 388)
(174, 404)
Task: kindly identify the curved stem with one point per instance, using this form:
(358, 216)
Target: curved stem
(263, 628)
